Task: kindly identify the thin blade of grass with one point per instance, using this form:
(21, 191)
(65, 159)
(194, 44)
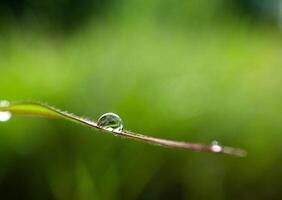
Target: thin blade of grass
(38, 109)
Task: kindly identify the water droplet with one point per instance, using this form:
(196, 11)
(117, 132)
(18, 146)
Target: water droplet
(216, 147)
(111, 122)
(5, 115)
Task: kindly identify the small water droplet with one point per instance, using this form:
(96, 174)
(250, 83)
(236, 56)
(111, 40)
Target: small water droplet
(5, 115)
(111, 122)
(216, 147)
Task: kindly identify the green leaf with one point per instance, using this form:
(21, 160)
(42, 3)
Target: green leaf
(44, 110)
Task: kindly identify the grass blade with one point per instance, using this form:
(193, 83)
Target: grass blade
(38, 109)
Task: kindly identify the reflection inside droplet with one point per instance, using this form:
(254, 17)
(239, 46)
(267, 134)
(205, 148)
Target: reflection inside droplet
(111, 122)
(216, 147)
(5, 115)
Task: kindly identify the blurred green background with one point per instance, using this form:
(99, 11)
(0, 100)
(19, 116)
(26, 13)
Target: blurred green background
(184, 70)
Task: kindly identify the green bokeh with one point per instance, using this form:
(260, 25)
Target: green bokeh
(176, 70)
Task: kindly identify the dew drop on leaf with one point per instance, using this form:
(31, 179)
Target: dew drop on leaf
(4, 115)
(111, 122)
(216, 147)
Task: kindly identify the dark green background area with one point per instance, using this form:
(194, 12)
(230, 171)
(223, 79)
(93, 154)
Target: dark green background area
(194, 70)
